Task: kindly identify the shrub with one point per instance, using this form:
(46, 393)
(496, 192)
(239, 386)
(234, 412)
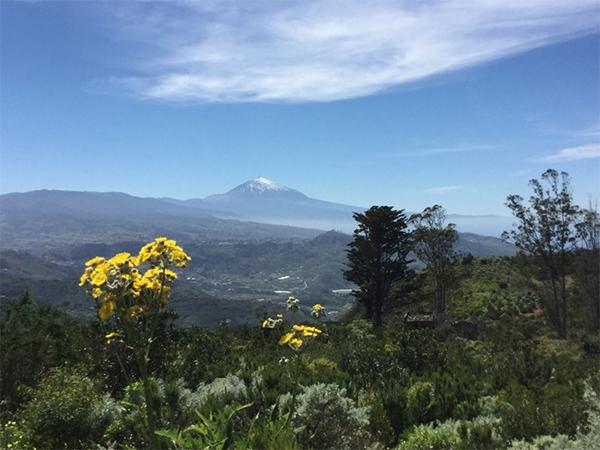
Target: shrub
(558, 442)
(379, 422)
(222, 391)
(66, 411)
(482, 433)
(326, 418)
(419, 400)
(427, 437)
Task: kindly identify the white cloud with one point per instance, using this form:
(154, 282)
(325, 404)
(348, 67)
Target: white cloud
(588, 151)
(227, 51)
(447, 150)
(444, 190)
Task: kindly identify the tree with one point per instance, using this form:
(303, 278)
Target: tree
(546, 229)
(377, 257)
(433, 244)
(587, 272)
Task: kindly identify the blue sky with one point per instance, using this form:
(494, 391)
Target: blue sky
(358, 102)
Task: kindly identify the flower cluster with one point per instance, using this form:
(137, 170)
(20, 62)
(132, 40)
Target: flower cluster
(163, 252)
(296, 336)
(318, 311)
(270, 323)
(293, 338)
(118, 283)
(293, 303)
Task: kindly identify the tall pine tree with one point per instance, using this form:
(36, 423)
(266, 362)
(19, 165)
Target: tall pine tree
(377, 257)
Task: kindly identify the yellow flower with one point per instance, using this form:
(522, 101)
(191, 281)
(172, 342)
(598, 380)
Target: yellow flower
(95, 261)
(265, 323)
(170, 274)
(96, 292)
(317, 311)
(119, 259)
(107, 308)
(111, 337)
(163, 251)
(98, 278)
(286, 338)
(306, 329)
(85, 276)
(295, 343)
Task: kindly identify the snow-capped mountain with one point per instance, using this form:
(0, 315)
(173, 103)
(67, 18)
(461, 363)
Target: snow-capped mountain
(260, 185)
(263, 200)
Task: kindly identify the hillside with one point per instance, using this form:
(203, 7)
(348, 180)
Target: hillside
(52, 222)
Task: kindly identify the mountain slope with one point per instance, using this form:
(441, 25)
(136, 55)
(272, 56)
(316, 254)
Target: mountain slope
(263, 200)
(46, 222)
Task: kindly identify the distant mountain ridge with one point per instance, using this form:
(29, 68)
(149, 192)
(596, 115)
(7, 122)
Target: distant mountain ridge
(266, 201)
(41, 221)
(46, 221)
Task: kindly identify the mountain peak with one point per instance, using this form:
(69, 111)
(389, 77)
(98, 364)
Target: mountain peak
(261, 184)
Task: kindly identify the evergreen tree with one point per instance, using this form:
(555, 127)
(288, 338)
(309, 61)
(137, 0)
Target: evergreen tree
(434, 243)
(546, 229)
(377, 256)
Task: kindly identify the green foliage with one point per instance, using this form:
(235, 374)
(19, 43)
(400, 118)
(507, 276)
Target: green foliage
(173, 405)
(364, 386)
(66, 411)
(378, 257)
(546, 229)
(420, 398)
(35, 338)
(434, 245)
(483, 432)
(426, 437)
(200, 355)
(12, 435)
(270, 433)
(326, 418)
(558, 442)
(212, 431)
(379, 422)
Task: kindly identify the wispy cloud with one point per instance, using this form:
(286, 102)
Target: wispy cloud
(591, 131)
(228, 51)
(444, 190)
(588, 151)
(447, 150)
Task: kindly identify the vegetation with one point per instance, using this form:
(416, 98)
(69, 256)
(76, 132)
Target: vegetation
(378, 257)
(495, 373)
(434, 245)
(546, 230)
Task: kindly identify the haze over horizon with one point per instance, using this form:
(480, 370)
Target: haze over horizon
(375, 103)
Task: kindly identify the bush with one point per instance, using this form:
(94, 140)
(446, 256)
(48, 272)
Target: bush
(482, 433)
(221, 392)
(379, 423)
(559, 442)
(66, 411)
(419, 400)
(326, 418)
(426, 437)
